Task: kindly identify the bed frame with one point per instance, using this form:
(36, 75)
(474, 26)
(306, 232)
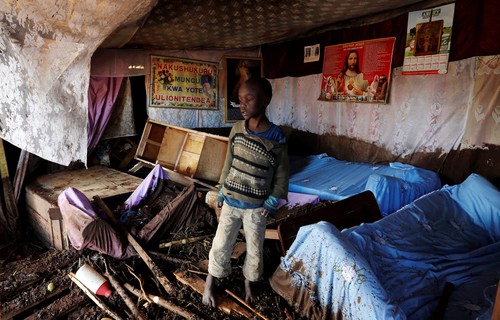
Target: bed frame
(345, 213)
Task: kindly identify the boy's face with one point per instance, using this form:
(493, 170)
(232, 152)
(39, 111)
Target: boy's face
(252, 101)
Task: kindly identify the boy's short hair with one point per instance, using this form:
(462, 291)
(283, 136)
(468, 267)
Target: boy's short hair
(263, 84)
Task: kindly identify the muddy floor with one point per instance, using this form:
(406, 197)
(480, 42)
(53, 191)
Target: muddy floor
(34, 282)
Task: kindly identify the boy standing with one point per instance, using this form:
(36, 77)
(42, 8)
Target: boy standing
(254, 178)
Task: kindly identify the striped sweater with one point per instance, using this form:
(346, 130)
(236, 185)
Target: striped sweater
(255, 168)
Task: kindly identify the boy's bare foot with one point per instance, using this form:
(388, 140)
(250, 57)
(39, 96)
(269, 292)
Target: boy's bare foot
(208, 294)
(249, 296)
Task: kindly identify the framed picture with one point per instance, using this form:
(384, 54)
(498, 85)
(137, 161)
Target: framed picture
(183, 83)
(428, 37)
(238, 70)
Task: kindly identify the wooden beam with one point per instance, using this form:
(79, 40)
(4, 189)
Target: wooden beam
(94, 298)
(143, 254)
(9, 217)
(224, 304)
(22, 166)
(496, 307)
(272, 234)
(160, 301)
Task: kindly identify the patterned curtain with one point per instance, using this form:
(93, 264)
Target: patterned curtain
(483, 117)
(102, 96)
(425, 113)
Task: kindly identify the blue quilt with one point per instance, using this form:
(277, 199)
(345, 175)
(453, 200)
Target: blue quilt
(397, 267)
(393, 185)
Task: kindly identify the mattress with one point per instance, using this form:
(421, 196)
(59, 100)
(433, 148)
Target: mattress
(393, 185)
(398, 267)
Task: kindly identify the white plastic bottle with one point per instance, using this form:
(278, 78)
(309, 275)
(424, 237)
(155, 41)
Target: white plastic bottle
(93, 280)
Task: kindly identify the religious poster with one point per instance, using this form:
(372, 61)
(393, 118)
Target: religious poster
(428, 40)
(182, 83)
(357, 71)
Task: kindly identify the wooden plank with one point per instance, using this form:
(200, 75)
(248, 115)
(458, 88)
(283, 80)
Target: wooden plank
(35, 200)
(140, 165)
(150, 143)
(238, 249)
(66, 304)
(184, 150)
(40, 226)
(170, 147)
(212, 159)
(130, 155)
(13, 312)
(22, 166)
(179, 178)
(42, 193)
(105, 181)
(194, 143)
(178, 154)
(496, 307)
(189, 156)
(150, 151)
(58, 234)
(151, 121)
(345, 213)
(187, 164)
(142, 143)
(272, 234)
(10, 216)
(136, 245)
(224, 304)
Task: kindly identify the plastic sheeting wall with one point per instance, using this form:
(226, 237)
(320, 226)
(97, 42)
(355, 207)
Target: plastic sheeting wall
(425, 113)
(45, 51)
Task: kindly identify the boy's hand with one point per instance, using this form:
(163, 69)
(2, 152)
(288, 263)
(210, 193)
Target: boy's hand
(218, 208)
(265, 213)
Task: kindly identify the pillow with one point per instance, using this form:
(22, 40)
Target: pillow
(481, 200)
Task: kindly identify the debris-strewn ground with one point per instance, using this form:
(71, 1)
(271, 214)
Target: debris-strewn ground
(27, 270)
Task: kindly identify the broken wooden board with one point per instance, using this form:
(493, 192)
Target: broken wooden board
(202, 266)
(37, 295)
(194, 154)
(270, 234)
(24, 287)
(10, 216)
(224, 304)
(238, 249)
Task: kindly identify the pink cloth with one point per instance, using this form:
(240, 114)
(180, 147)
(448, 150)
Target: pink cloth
(297, 199)
(84, 230)
(102, 95)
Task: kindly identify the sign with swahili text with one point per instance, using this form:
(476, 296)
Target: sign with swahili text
(182, 83)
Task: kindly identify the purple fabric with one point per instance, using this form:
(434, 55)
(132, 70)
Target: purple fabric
(84, 230)
(296, 199)
(147, 186)
(102, 95)
(77, 199)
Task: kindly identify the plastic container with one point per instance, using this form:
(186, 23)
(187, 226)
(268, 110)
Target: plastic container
(93, 280)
